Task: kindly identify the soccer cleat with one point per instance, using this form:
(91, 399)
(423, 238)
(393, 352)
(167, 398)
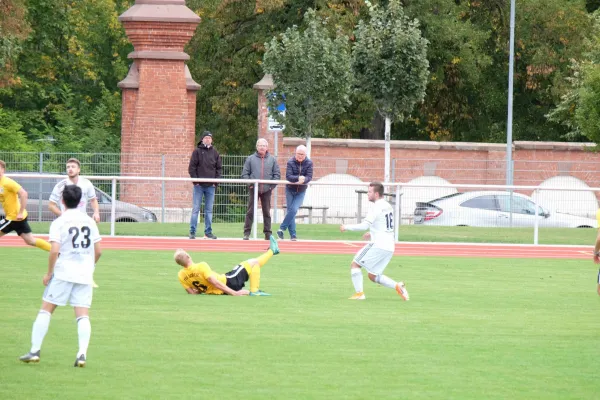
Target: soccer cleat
(209, 236)
(80, 361)
(259, 293)
(401, 289)
(192, 236)
(357, 296)
(31, 357)
(280, 234)
(274, 246)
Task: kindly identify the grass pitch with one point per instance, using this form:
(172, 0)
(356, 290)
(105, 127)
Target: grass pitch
(473, 329)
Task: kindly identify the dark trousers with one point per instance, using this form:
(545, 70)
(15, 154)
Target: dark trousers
(265, 201)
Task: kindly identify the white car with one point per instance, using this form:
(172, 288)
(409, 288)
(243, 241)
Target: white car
(493, 209)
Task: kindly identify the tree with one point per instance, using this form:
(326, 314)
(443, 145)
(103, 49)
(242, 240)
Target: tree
(313, 75)
(390, 62)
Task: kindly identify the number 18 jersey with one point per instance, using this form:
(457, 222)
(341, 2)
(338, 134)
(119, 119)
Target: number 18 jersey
(77, 233)
(381, 219)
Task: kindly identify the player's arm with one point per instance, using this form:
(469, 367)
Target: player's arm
(597, 249)
(54, 200)
(96, 209)
(54, 208)
(52, 257)
(23, 200)
(216, 283)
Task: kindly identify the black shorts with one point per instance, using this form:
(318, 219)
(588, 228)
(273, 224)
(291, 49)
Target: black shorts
(237, 278)
(20, 227)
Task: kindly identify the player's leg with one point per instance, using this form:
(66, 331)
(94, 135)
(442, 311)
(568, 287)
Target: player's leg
(598, 289)
(252, 268)
(81, 300)
(55, 294)
(272, 251)
(24, 230)
(356, 272)
(376, 262)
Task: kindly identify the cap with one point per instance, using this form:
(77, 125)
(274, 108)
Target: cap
(206, 133)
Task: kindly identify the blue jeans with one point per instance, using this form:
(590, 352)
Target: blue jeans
(209, 194)
(293, 201)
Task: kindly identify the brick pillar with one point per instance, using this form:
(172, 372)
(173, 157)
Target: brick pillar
(159, 101)
(262, 87)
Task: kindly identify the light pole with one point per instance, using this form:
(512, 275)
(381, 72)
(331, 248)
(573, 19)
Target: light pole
(511, 62)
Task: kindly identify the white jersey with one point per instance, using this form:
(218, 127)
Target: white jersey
(77, 233)
(87, 193)
(380, 221)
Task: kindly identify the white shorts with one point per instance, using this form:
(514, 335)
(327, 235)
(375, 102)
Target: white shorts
(76, 294)
(373, 259)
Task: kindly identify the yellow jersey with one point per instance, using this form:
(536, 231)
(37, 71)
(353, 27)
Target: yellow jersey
(9, 198)
(196, 276)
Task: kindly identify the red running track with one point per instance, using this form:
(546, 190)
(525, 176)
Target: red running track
(334, 247)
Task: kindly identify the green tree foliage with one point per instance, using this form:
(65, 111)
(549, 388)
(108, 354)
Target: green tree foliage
(313, 75)
(389, 59)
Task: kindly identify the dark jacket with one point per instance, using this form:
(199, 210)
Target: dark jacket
(257, 167)
(205, 163)
(295, 169)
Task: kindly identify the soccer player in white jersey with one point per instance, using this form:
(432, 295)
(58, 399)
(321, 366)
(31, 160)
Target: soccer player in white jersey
(88, 193)
(69, 278)
(87, 189)
(376, 255)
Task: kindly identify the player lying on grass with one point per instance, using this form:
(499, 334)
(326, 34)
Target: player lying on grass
(14, 200)
(200, 279)
(376, 254)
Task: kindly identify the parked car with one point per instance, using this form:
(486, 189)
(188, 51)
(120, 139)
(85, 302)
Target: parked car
(39, 189)
(493, 209)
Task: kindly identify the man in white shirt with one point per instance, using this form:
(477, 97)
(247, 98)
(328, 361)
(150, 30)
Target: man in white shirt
(87, 189)
(375, 256)
(88, 193)
(73, 235)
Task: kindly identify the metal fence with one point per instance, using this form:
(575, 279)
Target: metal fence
(339, 196)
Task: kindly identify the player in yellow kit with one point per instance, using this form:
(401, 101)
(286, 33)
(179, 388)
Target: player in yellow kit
(201, 279)
(14, 199)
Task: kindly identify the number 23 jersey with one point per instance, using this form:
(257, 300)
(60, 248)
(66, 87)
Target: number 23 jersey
(77, 233)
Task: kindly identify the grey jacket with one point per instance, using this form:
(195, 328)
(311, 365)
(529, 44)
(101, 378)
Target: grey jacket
(266, 168)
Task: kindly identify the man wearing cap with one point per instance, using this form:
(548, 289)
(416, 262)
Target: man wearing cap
(204, 163)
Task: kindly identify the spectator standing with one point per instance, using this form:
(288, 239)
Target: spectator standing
(298, 172)
(204, 163)
(260, 165)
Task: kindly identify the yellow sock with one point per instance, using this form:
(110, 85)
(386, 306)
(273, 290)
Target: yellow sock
(255, 278)
(42, 244)
(265, 257)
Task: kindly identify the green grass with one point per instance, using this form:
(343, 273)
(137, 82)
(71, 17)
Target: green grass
(473, 329)
(408, 233)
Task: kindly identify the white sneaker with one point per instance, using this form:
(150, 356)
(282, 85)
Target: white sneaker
(357, 296)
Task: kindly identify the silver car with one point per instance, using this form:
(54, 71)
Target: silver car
(38, 194)
(493, 209)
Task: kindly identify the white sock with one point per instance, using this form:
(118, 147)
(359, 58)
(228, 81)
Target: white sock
(84, 331)
(40, 328)
(385, 281)
(357, 279)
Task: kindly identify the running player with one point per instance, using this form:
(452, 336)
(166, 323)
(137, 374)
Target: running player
(376, 255)
(14, 200)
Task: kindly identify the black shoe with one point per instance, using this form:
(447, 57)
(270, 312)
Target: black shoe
(280, 234)
(31, 357)
(267, 236)
(209, 236)
(192, 236)
(80, 361)
(293, 238)
(246, 237)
